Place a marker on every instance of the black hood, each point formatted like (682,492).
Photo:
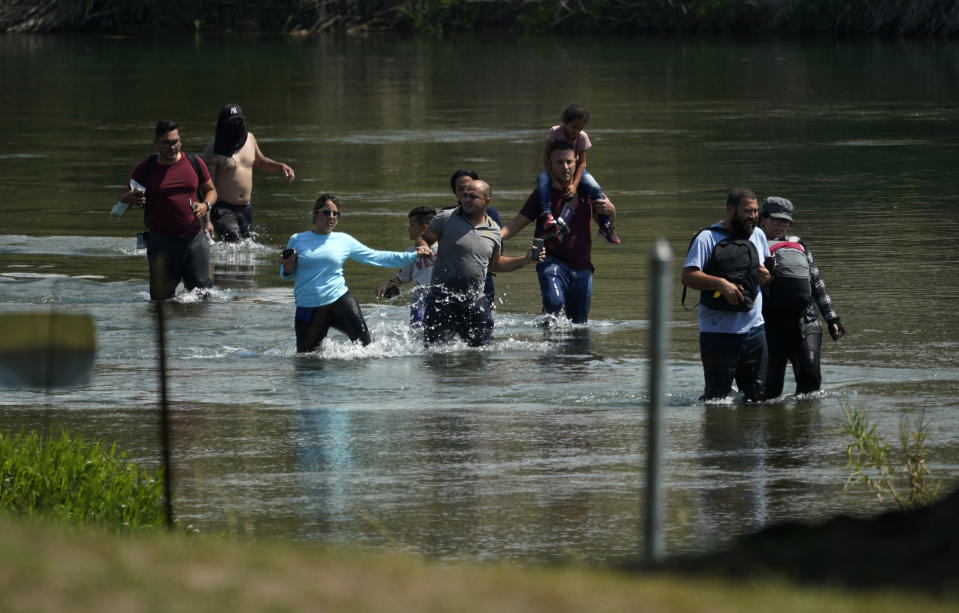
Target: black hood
(229,137)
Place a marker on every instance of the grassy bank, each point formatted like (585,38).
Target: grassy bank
(50,569)
(68,480)
(69,542)
(734,17)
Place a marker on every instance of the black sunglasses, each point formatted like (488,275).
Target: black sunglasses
(330,213)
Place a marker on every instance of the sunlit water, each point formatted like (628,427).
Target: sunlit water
(533,447)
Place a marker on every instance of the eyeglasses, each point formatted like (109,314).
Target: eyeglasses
(330,213)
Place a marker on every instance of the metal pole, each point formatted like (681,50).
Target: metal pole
(660,261)
(164,419)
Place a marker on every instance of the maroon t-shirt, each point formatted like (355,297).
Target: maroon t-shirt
(576,250)
(169,191)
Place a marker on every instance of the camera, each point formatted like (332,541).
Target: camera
(286,253)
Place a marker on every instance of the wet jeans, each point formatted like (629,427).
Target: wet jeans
(565,289)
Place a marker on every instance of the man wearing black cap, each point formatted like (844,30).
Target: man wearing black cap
(793,331)
(231,156)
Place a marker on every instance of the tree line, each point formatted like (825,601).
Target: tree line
(916,18)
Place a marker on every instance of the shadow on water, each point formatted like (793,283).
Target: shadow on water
(458,367)
(570,340)
(750,454)
(307,364)
(569,353)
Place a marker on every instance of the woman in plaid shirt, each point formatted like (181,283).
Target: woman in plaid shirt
(794,335)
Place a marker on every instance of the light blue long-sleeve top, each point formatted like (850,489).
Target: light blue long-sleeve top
(318,276)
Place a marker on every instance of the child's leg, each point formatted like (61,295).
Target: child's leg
(591,187)
(545,197)
(589,183)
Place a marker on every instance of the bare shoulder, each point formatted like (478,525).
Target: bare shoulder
(252,146)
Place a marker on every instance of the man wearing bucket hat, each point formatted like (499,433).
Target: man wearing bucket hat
(231,157)
(791,301)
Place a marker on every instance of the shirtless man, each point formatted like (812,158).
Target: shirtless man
(231,156)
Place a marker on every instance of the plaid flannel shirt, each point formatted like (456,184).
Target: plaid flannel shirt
(821,299)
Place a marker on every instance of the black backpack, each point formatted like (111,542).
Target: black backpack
(733,259)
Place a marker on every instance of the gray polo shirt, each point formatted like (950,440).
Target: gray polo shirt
(464,249)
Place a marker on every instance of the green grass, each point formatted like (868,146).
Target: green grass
(68,480)
(899,474)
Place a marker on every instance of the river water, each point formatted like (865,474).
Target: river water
(532,448)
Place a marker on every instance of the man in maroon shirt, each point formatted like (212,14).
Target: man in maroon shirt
(177,247)
(566,275)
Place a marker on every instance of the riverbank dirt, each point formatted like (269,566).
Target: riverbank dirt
(905,560)
(912,550)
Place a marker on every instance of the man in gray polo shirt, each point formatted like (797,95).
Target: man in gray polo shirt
(469,243)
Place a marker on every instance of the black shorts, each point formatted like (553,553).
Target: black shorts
(313,323)
(231,222)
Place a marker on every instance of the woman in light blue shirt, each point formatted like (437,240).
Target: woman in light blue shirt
(314,260)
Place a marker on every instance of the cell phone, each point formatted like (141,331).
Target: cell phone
(286,253)
(537,249)
(770,263)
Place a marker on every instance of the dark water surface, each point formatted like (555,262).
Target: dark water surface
(532,448)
